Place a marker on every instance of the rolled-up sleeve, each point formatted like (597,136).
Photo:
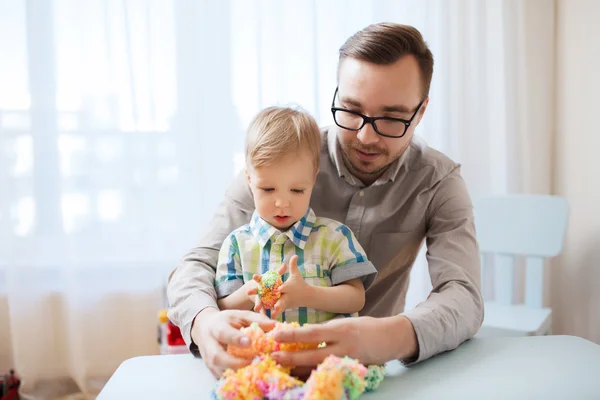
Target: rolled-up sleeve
(349,260)
(229,277)
(191,286)
(453,312)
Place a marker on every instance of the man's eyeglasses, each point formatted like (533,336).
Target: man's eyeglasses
(384,126)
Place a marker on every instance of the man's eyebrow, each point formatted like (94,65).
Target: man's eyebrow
(351,101)
(394,108)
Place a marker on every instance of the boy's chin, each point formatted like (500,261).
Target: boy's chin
(284,227)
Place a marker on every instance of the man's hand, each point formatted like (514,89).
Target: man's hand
(213,330)
(370,340)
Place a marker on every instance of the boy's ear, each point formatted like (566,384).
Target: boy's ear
(316,173)
(248,176)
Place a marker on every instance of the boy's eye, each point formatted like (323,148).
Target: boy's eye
(299,191)
(267,189)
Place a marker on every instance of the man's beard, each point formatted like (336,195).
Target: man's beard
(347,148)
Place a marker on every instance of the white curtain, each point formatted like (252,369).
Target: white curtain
(122,121)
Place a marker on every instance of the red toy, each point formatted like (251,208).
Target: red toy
(9,386)
(174,337)
(169,336)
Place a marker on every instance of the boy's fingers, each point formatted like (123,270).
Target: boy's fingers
(282,269)
(283,288)
(257,305)
(279,306)
(294,265)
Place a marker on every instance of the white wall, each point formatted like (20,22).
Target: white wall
(575,279)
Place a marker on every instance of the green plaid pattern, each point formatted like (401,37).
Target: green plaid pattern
(328,254)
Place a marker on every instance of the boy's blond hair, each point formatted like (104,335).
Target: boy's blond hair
(278,131)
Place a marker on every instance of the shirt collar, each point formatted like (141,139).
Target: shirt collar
(297,233)
(336,154)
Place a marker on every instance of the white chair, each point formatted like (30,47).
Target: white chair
(512,226)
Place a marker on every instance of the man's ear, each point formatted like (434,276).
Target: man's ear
(422,110)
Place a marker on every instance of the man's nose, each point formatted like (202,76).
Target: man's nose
(367,134)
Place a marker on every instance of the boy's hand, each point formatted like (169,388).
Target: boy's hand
(253,289)
(294,290)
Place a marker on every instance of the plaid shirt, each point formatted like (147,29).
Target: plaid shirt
(328,254)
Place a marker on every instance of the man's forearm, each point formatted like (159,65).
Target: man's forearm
(446,319)
(402,344)
(197,323)
(453,312)
(190,290)
(191,286)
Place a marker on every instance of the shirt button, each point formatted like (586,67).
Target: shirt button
(276,247)
(361,193)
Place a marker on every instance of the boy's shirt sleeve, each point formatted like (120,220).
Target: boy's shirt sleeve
(229,276)
(349,260)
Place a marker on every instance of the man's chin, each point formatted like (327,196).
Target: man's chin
(362,168)
(366,167)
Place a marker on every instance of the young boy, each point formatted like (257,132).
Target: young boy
(328,269)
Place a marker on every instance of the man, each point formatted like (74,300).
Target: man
(392,191)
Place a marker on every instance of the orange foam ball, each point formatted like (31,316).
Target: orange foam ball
(263,343)
(260,343)
(324,385)
(254,381)
(292,346)
(268,291)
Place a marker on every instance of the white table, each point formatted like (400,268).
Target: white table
(547,367)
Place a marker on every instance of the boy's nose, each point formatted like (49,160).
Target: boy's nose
(281,202)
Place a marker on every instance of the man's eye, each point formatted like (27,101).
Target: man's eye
(353,109)
(267,189)
(298,191)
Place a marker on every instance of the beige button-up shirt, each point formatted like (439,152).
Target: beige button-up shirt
(421,197)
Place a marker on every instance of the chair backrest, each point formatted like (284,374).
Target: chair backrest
(508,226)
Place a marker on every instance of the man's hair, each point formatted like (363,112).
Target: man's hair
(277,131)
(385,43)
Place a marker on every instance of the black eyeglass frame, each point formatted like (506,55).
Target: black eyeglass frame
(372,120)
